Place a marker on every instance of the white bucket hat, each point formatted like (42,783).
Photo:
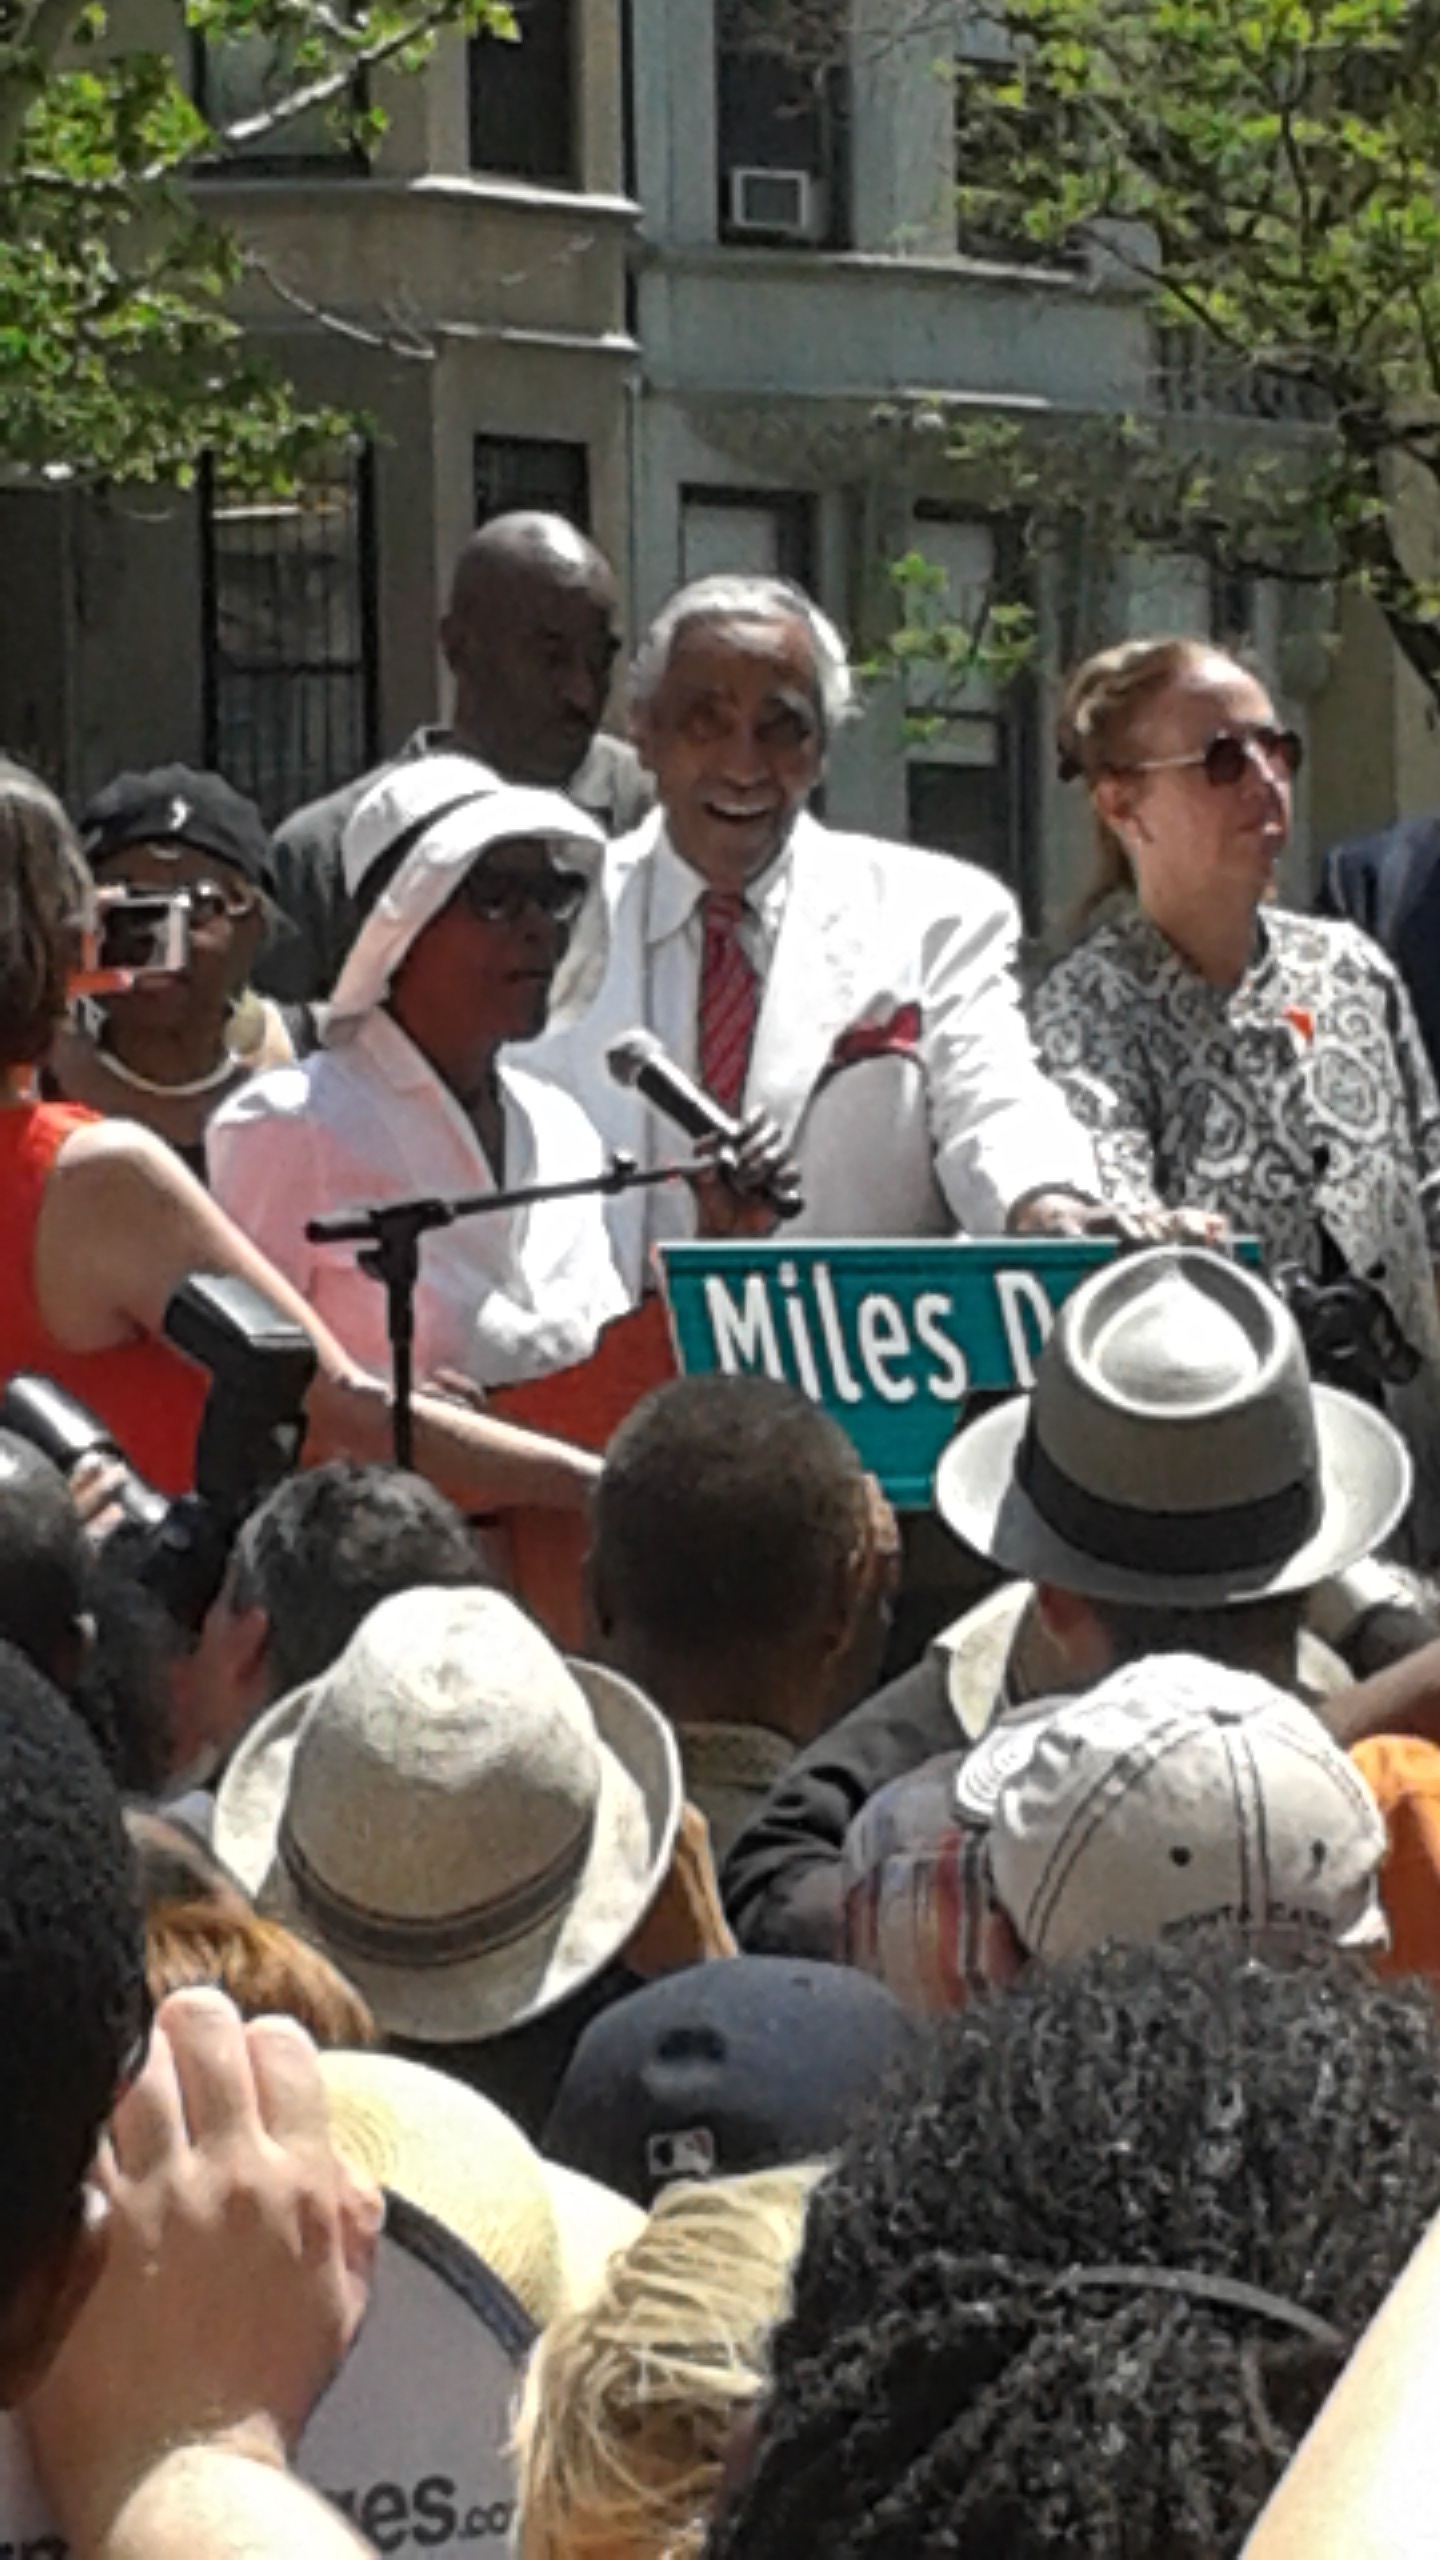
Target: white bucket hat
(1174,1452)
(468,1825)
(447,811)
(1176,1790)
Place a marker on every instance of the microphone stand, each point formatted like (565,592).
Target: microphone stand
(389,1235)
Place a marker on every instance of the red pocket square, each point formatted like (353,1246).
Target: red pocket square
(897,1035)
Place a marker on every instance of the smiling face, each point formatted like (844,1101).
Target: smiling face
(470,981)
(1188,838)
(734,736)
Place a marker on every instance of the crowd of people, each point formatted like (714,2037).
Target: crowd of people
(889,2087)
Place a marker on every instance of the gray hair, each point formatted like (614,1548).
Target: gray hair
(738,598)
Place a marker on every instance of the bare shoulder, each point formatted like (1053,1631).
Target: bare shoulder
(118,1154)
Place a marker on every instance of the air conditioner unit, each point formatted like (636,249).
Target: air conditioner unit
(780,204)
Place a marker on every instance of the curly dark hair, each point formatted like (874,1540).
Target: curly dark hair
(956,2376)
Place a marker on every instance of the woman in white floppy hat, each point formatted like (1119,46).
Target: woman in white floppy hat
(468,1825)
(483,925)
(479,926)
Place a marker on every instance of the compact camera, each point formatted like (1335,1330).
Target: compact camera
(140,933)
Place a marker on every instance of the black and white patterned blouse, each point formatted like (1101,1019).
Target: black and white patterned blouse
(1303,1092)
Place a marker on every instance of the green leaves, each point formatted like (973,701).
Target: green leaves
(1274,166)
(118,355)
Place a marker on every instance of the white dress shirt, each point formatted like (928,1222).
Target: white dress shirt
(674,947)
(675,941)
(502,1296)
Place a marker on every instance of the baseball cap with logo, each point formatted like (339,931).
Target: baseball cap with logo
(173,805)
(752,2062)
(1176,1790)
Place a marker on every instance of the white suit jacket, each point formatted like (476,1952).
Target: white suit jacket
(942,1135)
(503,1297)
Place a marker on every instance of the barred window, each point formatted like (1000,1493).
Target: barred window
(290,659)
(532,471)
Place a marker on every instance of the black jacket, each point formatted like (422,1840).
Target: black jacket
(1389,885)
(781,1881)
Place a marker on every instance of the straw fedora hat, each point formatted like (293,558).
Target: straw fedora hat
(548,2234)
(1174,1451)
(470,1826)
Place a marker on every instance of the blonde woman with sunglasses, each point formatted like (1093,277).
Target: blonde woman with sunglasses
(1227,1054)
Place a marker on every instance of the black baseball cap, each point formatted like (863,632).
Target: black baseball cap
(749,2062)
(172,804)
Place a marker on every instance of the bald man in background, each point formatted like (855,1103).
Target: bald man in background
(530,640)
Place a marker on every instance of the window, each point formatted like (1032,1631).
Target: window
(968,772)
(522,97)
(240,76)
(765,533)
(290,669)
(781,141)
(964,809)
(532,471)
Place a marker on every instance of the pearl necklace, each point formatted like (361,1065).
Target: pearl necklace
(210,1082)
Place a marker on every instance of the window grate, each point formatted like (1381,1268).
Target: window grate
(290,657)
(547,472)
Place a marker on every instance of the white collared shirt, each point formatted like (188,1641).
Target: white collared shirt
(674,933)
(675,940)
(502,1296)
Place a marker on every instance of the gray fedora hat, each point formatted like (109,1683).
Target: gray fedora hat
(1174,1451)
(466,1823)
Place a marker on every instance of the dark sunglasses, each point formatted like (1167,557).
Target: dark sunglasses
(497,896)
(1228,756)
(209,903)
(207,900)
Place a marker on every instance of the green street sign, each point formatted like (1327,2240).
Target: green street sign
(892,1339)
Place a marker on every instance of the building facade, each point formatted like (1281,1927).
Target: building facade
(714,303)
(813,322)
(465,293)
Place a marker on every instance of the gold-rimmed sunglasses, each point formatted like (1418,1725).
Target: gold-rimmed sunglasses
(1226,758)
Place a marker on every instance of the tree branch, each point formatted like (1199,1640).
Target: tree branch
(412,345)
(332,84)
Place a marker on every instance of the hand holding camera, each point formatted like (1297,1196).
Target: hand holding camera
(136,933)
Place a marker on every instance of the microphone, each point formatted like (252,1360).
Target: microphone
(641,1061)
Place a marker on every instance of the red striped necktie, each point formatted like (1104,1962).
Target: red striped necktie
(729,999)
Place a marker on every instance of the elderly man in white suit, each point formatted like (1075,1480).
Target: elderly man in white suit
(860,992)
